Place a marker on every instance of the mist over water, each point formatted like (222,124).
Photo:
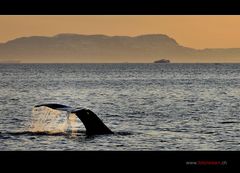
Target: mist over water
(156,106)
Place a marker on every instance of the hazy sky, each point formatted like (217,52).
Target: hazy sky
(191,31)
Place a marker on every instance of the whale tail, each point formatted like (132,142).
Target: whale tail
(92,123)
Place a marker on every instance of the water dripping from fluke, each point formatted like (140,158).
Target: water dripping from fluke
(60,120)
(92,123)
(48,121)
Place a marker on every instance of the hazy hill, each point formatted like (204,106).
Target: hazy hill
(102,48)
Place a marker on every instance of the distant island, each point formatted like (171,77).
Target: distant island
(162,61)
(78,48)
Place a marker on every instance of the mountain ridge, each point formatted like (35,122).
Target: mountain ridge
(71,47)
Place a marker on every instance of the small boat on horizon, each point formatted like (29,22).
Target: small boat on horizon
(162,61)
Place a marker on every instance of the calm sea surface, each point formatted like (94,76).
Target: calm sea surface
(149,106)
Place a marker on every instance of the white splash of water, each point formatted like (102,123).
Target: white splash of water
(53,121)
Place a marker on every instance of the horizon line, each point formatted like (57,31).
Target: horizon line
(119,63)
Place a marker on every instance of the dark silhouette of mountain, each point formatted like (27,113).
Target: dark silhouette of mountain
(101,48)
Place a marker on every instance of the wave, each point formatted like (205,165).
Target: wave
(39,133)
(229,122)
(53,133)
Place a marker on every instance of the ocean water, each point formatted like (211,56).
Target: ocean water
(148,106)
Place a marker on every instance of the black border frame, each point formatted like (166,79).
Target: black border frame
(160,161)
(117,7)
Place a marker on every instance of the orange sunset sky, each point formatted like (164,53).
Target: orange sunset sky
(192,31)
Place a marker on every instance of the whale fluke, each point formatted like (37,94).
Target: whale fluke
(92,123)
